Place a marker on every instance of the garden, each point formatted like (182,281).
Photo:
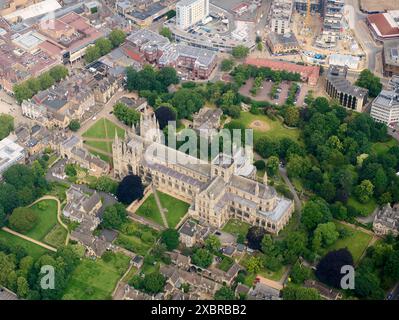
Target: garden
(96,279)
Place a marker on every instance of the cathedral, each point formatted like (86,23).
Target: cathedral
(218,190)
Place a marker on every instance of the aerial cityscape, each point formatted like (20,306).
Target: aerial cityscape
(199,150)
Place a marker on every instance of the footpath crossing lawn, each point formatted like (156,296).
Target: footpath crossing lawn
(175,209)
(96,279)
(104,129)
(32,249)
(100,137)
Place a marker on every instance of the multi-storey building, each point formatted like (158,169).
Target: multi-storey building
(280,17)
(385,107)
(339,88)
(190,12)
(217,191)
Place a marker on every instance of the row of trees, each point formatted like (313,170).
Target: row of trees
(30,87)
(6,125)
(125,114)
(105,45)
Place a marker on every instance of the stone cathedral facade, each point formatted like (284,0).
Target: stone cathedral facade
(218,190)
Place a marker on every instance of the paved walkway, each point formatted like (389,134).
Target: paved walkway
(58,213)
(298,203)
(160,208)
(273,284)
(145,221)
(39,243)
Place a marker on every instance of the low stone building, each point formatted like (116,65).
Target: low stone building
(207,122)
(282,43)
(387,220)
(72,149)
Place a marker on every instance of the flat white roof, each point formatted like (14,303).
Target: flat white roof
(10,153)
(34,10)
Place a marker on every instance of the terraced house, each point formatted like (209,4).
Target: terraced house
(219,190)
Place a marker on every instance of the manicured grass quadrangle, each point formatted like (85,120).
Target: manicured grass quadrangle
(104,129)
(176,209)
(236,227)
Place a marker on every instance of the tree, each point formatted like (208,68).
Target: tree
(325,235)
(23,219)
(291,116)
(364,191)
(254,237)
(164,114)
(6,125)
(226,65)
(202,258)
(224,293)
(170,237)
(367,285)
(74,125)
(70,170)
(369,81)
(167,76)
(329,268)
(92,54)
(130,189)
(154,282)
(58,73)
(2,217)
(46,81)
(314,212)
(272,165)
(104,46)
(300,273)
(22,287)
(292,292)
(254,264)
(125,114)
(260,165)
(165,31)
(240,52)
(117,37)
(297,166)
(212,243)
(114,216)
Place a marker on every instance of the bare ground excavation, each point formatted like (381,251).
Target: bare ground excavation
(259,125)
(374,5)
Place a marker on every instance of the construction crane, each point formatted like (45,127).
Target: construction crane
(308,19)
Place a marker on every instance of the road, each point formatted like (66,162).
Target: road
(362,34)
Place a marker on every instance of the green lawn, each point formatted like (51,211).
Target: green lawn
(356,243)
(225,264)
(32,249)
(364,208)
(56,237)
(104,128)
(47,221)
(275,276)
(149,210)
(101,145)
(96,279)
(136,237)
(236,227)
(275,130)
(382,147)
(176,209)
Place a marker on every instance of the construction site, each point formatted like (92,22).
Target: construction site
(322,30)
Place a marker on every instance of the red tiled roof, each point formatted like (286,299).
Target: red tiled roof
(380,23)
(133,54)
(310,73)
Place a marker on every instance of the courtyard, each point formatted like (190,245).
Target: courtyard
(99,137)
(174,209)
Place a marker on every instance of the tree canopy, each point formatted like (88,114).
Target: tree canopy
(130,189)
